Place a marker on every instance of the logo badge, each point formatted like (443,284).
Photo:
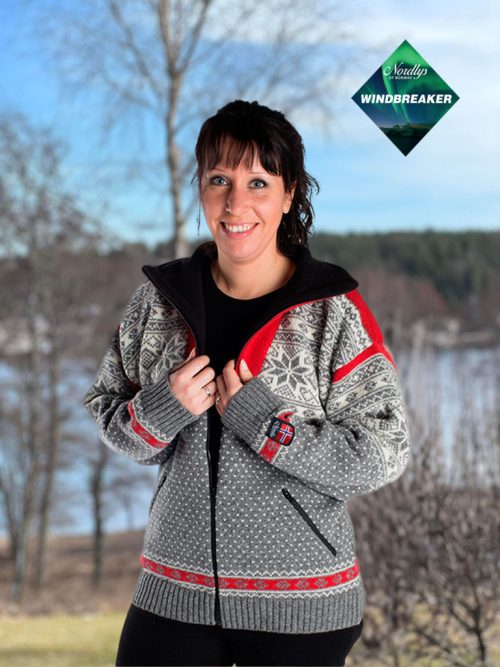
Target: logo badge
(281,431)
(405,97)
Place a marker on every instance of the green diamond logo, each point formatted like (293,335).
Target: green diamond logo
(405,97)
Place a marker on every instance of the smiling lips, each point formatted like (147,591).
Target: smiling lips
(238,230)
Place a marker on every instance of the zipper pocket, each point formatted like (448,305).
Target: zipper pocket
(308,520)
(158,488)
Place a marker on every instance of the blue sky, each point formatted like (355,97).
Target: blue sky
(448,182)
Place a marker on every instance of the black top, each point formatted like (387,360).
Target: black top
(228,324)
(181,281)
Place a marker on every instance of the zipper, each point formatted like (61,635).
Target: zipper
(217,611)
(308,520)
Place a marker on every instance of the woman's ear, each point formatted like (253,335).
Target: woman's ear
(289,198)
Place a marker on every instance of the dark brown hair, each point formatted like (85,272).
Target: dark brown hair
(252,127)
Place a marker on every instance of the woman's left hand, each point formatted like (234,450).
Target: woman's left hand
(229,382)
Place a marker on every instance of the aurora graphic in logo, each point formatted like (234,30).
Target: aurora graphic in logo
(405,97)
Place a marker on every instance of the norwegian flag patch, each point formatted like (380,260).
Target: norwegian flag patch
(280,431)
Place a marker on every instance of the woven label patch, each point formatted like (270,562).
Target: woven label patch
(281,431)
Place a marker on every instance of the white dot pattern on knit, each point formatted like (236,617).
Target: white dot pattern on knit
(178,532)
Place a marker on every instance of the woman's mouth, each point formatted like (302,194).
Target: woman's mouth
(238,231)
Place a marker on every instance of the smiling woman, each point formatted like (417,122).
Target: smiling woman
(258,379)
(236,203)
(243,214)
(252,189)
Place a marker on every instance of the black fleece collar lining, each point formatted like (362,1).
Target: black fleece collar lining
(180,282)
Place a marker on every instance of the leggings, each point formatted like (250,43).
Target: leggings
(149,639)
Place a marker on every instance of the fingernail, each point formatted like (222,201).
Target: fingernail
(191,354)
(244,364)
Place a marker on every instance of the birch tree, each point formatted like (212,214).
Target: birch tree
(42,229)
(153,70)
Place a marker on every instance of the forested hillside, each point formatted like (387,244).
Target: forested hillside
(416,275)
(460,265)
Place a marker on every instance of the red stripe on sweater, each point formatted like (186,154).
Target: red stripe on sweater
(371,326)
(255,349)
(142,432)
(330,580)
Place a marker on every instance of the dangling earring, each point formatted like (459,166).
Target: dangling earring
(198,217)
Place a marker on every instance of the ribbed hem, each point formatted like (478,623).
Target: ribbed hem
(181,603)
(159,410)
(286,614)
(250,409)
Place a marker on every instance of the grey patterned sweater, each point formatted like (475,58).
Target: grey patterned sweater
(272,547)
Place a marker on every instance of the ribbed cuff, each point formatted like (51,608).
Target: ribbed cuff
(159,410)
(250,410)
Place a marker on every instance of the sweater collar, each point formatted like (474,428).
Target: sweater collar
(180,282)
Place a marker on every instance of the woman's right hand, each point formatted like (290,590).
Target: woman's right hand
(188,380)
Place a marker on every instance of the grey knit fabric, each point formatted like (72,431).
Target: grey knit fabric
(322,420)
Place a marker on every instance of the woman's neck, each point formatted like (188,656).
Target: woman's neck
(248,280)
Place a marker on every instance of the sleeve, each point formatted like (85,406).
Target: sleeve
(362,443)
(142,423)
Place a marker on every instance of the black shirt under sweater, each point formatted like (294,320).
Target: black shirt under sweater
(228,324)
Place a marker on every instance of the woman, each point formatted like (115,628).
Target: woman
(257,379)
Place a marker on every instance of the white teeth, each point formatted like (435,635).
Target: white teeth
(237,228)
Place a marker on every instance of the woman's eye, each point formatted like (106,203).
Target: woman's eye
(214,178)
(220,180)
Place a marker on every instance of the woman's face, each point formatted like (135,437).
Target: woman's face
(243,208)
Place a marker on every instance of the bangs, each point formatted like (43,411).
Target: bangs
(229,151)
(244,132)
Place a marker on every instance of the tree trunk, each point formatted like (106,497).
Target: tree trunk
(51,464)
(30,460)
(20,547)
(96,489)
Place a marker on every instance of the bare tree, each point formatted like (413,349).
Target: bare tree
(429,543)
(458,565)
(96,484)
(169,65)
(41,226)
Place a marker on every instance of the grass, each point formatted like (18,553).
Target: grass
(58,640)
(88,640)
(71,624)
(91,640)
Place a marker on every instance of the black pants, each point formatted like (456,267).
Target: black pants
(149,639)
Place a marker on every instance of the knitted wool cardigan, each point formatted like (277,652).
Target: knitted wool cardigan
(272,547)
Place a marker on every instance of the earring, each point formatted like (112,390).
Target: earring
(198,217)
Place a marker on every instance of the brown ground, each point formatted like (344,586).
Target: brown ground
(69,583)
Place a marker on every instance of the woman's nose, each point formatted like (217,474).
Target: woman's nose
(237,200)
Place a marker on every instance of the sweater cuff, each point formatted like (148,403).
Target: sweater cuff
(249,411)
(159,410)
